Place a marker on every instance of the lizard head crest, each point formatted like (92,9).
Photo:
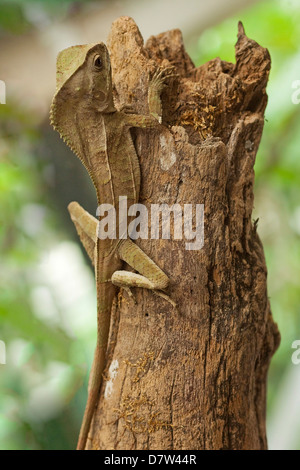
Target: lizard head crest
(85,72)
(83,82)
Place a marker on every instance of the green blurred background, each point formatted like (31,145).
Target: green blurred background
(47,293)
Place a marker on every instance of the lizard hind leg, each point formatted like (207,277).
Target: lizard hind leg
(150,275)
(86,227)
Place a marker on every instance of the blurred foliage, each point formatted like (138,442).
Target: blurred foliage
(39,406)
(18,16)
(30,340)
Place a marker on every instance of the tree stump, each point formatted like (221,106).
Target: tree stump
(193,377)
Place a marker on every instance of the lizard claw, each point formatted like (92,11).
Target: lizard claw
(160,76)
(128,290)
(164,73)
(165,296)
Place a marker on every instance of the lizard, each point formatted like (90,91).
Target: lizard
(84,114)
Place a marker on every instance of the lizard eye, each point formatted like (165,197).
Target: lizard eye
(98,62)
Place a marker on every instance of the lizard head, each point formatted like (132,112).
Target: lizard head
(84,76)
(83,82)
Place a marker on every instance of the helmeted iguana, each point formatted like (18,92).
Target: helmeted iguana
(84,114)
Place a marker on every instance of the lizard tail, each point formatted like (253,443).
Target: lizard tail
(93,395)
(105,295)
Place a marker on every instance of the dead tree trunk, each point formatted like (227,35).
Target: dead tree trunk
(193,378)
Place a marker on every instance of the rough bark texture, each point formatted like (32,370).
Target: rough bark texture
(193,378)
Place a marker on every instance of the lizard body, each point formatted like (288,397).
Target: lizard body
(84,114)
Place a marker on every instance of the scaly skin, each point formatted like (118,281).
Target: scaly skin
(84,114)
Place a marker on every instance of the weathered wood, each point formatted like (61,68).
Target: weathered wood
(193,378)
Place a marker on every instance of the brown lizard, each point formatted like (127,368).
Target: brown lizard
(84,114)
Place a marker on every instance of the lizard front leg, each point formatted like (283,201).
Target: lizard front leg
(150,277)
(156,86)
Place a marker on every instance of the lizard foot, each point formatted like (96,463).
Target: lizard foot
(166,297)
(130,294)
(160,76)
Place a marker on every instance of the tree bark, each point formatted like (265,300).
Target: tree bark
(193,377)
